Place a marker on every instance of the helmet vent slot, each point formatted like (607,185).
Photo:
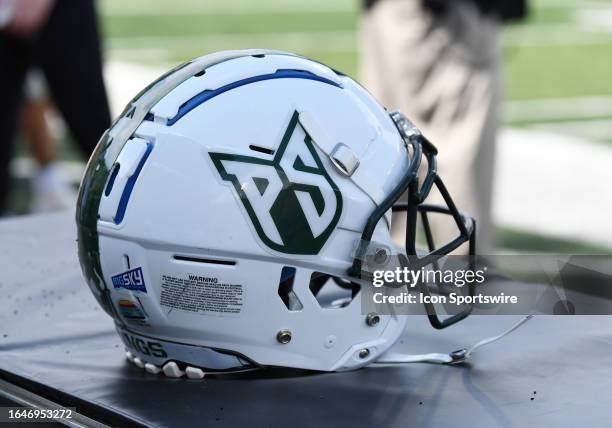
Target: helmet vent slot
(261,149)
(191,259)
(111,179)
(331,291)
(285,290)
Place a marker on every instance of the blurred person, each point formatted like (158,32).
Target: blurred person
(439,62)
(61,38)
(51,190)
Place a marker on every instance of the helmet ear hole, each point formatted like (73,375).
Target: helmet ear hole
(285,290)
(332,292)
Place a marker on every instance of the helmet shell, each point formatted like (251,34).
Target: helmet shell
(214,205)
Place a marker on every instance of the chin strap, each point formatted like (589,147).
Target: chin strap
(456,357)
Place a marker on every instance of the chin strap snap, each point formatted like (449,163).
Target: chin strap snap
(455,357)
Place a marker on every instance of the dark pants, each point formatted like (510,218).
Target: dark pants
(67,50)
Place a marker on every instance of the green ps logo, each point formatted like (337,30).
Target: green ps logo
(291,200)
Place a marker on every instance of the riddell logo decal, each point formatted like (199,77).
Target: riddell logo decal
(132,280)
(291,200)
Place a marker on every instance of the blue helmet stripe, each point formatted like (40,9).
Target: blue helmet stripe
(204,96)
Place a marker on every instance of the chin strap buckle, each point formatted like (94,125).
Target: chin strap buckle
(459,356)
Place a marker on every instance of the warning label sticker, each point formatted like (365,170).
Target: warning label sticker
(201,294)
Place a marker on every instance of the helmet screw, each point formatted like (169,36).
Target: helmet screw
(283,336)
(364,353)
(380,256)
(372,319)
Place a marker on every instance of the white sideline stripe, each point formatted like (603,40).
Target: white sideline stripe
(554,185)
(322,41)
(555,39)
(156,57)
(557,108)
(140,41)
(204,9)
(600,18)
(591,129)
(573,32)
(125,80)
(332,41)
(25,168)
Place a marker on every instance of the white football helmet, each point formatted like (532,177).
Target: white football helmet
(230,195)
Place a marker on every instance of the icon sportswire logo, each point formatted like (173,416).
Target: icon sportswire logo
(291,200)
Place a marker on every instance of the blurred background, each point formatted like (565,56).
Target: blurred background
(553,179)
